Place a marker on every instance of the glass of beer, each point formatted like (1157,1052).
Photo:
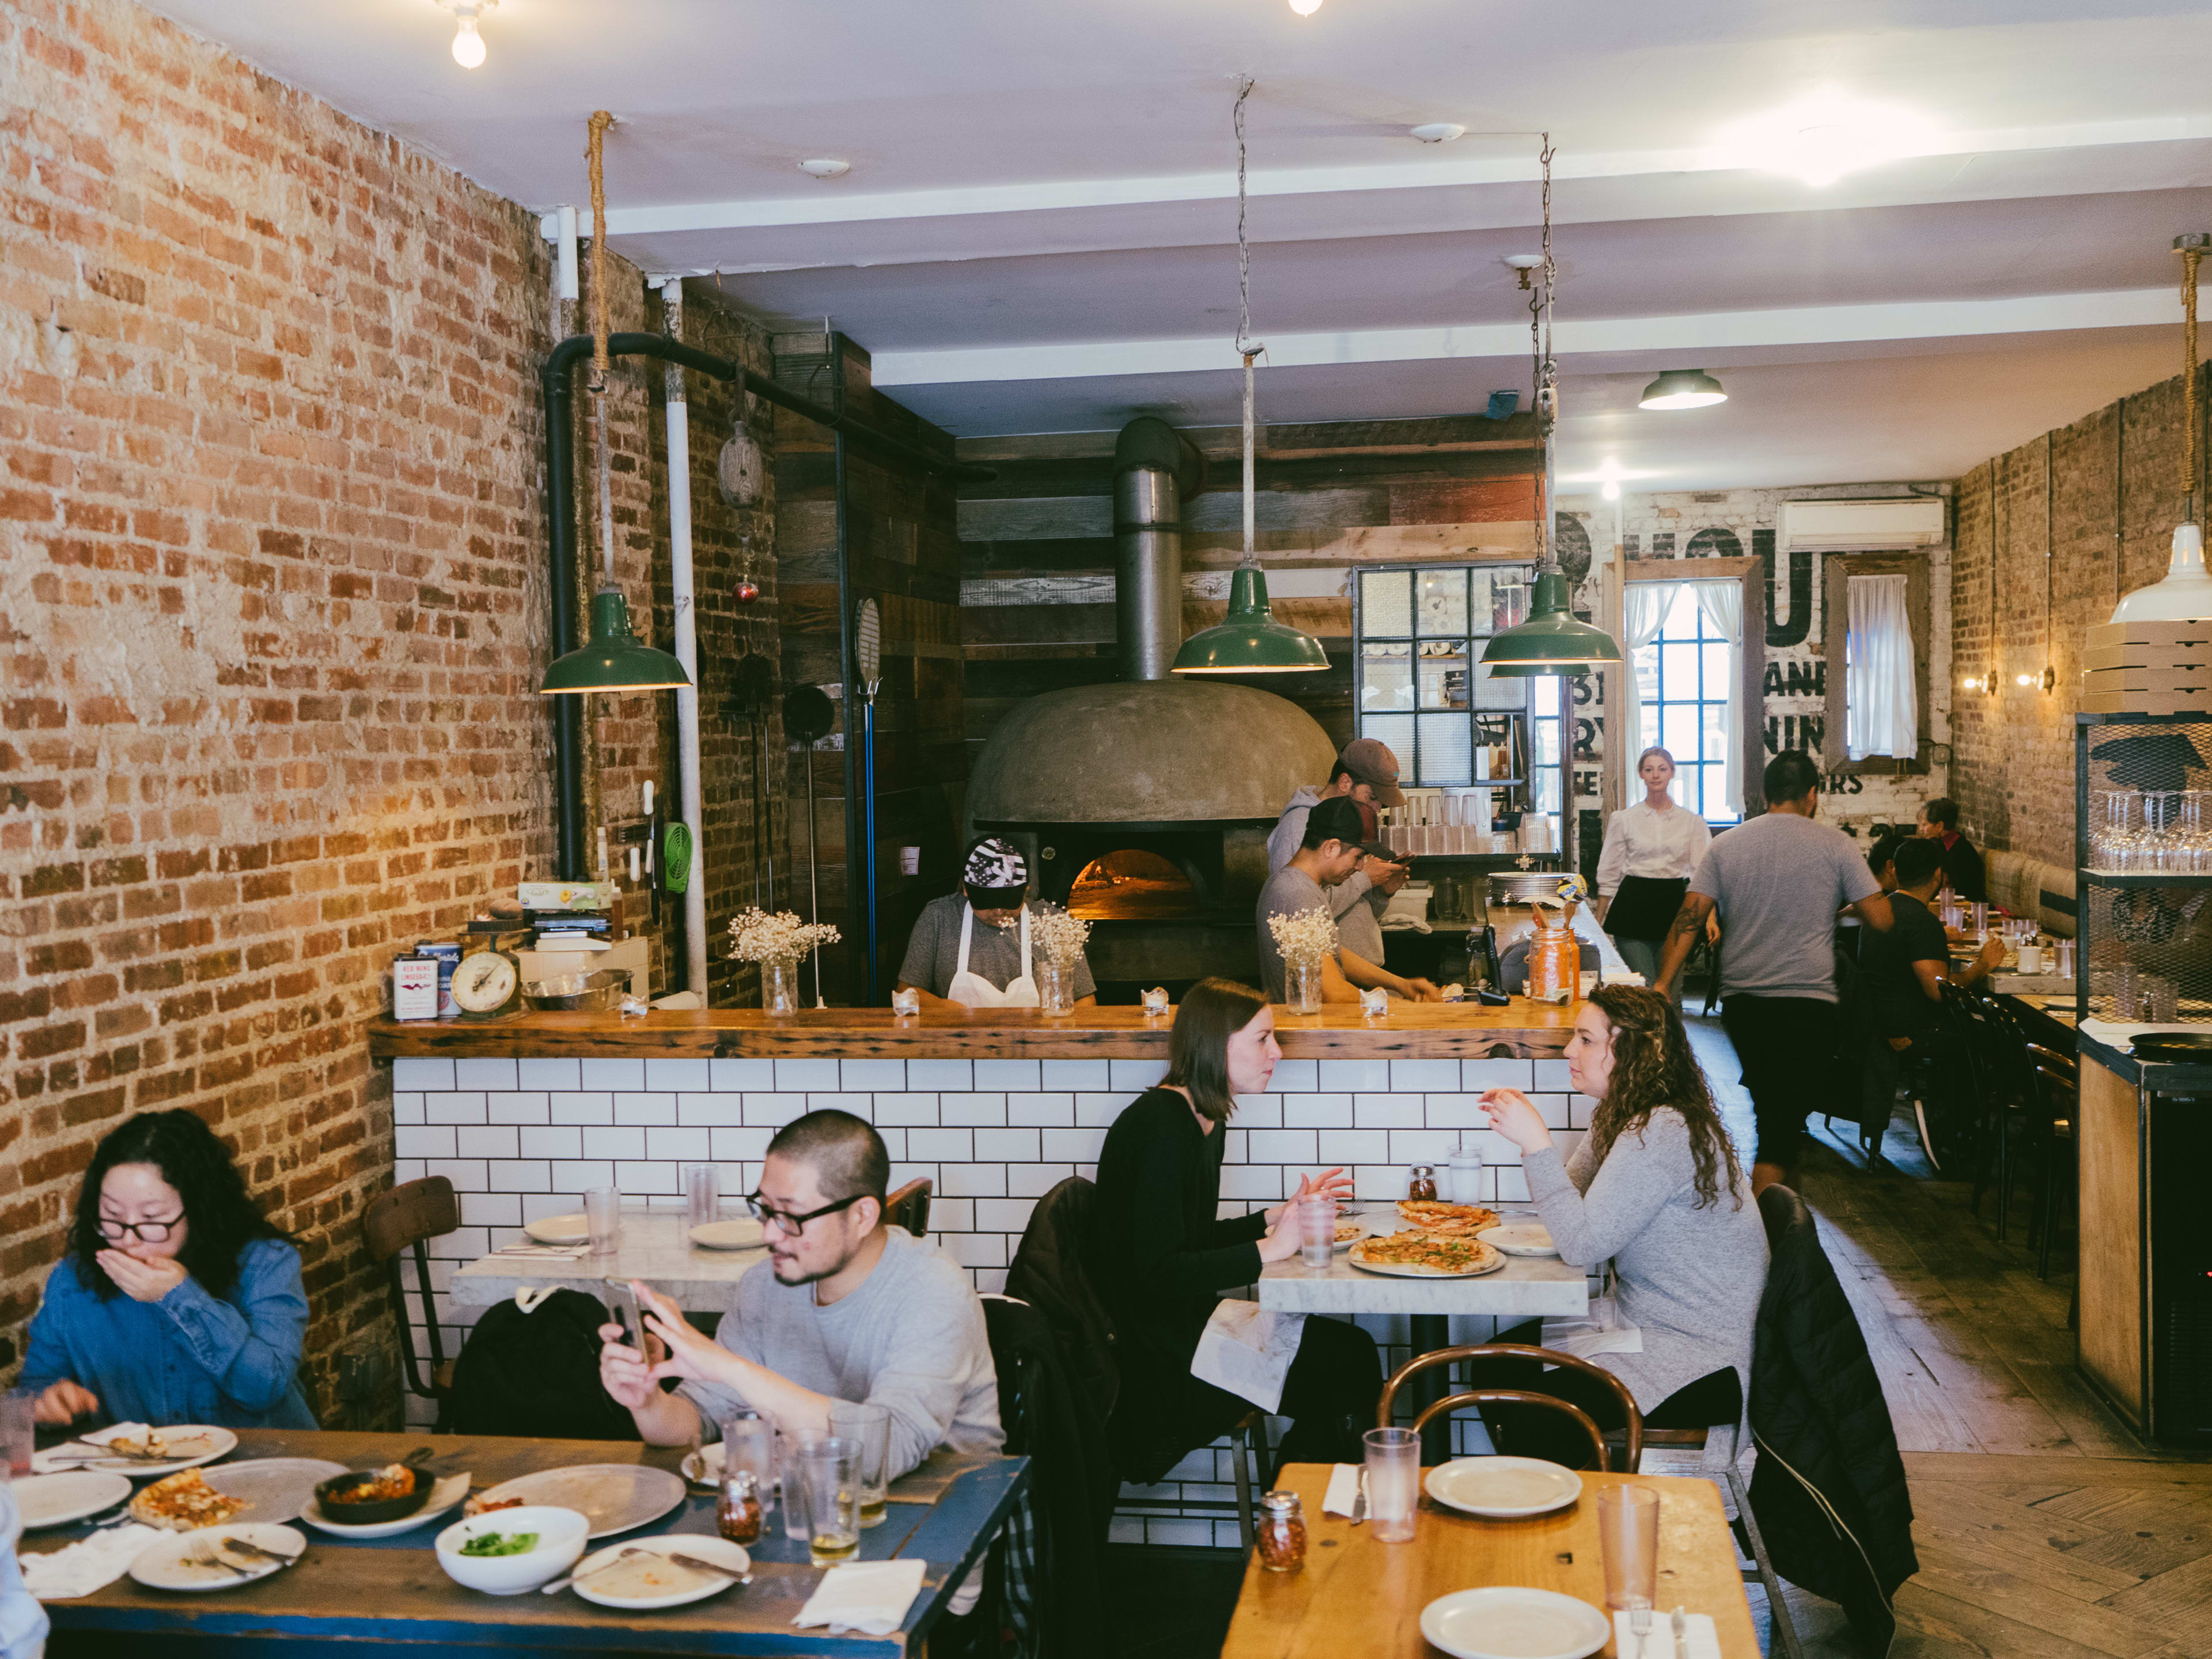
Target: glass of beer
(829,1473)
(870,1426)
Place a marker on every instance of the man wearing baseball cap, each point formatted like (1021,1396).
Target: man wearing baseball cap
(952,959)
(1367,774)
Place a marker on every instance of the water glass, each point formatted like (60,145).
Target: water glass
(749,1443)
(787,1455)
(2161,999)
(1628,1536)
(830,1475)
(702,1193)
(1316,1230)
(870,1427)
(18,1433)
(1394,1483)
(603,1218)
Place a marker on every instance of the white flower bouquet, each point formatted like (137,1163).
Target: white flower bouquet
(777,936)
(1304,937)
(1058,936)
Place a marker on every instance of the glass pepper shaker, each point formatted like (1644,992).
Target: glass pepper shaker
(1282,1532)
(738,1517)
(1421,1183)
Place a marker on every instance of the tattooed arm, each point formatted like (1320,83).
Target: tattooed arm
(1689,923)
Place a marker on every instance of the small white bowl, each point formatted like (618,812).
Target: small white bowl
(561,1538)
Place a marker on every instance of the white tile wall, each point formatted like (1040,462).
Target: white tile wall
(524,1138)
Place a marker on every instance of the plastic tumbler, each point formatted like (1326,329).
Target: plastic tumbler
(1628,1536)
(749,1443)
(18,1433)
(1394,1483)
(703,1194)
(1317,1231)
(603,1218)
(870,1427)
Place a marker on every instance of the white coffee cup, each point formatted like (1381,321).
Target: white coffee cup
(2031,957)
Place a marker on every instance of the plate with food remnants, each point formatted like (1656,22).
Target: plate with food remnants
(267,1489)
(613,1497)
(135,1449)
(1349,1229)
(1521,1239)
(217,1558)
(446,1494)
(660,1573)
(1446,1220)
(1416,1255)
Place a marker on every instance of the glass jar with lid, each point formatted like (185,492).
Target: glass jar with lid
(1282,1533)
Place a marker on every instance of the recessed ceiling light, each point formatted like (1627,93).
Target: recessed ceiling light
(1682,388)
(823,167)
(1306,8)
(1825,135)
(1439,132)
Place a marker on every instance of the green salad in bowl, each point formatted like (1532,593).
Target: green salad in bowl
(501,1543)
(512,1550)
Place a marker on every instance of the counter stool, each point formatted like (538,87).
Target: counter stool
(1248,1440)
(402,1219)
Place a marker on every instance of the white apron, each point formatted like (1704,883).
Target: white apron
(973,991)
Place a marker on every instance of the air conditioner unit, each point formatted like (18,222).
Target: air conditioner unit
(1848,526)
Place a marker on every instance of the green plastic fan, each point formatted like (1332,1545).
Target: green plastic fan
(675,857)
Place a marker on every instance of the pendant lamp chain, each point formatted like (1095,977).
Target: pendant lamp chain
(1543,371)
(594,154)
(1247,347)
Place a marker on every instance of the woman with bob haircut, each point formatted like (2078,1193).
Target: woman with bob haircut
(1651,851)
(177,1302)
(1653,1186)
(1160,1259)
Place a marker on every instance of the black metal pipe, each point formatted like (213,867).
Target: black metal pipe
(556,383)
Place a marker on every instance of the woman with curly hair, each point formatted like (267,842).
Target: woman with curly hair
(177,1302)
(1654,1188)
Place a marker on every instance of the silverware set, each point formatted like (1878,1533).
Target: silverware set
(690,1561)
(1639,1621)
(245,1547)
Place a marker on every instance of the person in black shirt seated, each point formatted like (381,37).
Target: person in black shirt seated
(1962,862)
(1160,1258)
(1881,859)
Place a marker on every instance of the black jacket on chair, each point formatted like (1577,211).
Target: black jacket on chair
(1049,1274)
(1829,1487)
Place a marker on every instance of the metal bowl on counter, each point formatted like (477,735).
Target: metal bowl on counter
(1524,886)
(577,993)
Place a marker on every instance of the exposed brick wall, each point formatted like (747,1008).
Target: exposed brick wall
(2059,509)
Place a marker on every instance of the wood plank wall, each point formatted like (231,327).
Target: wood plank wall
(902,550)
(1036,588)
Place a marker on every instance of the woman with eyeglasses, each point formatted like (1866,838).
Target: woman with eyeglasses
(177,1302)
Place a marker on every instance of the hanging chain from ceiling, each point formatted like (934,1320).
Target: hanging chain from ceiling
(1543,371)
(2189,257)
(594,153)
(1247,347)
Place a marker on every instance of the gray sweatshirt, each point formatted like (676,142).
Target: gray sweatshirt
(911,1339)
(1362,934)
(1690,1280)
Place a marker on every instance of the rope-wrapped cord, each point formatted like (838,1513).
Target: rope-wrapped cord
(2189,258)
(594,153)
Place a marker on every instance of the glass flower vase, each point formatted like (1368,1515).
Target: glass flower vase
(778,979)
(1055,987)
(1302,986)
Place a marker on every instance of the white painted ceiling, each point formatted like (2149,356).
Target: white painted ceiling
(1038,233)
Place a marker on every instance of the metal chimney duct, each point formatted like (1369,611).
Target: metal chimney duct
(1155,469)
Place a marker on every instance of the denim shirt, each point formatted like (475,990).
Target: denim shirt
(191,1357)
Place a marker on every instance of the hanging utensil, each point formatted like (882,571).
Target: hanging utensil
(868,660)
(808,714)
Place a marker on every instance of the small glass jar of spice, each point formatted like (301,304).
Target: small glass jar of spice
(739,1514)
(1421,1183)
(1282,1538)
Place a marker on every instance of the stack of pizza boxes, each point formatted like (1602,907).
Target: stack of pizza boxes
(2148,668)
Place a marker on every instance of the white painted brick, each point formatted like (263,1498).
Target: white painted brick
(1235,1148)
(582,1107)
(1423,1146)
(1122,1529)
(941,1146)
(1421,1075)
(530,1107)
(952,1215)
(642,1108)
(1566,1140)
(1352,1147)
(454,1109)
(1317,1111)
(894,1142)
(1579,1108)
(906,1110)
(940,1074)
(432,1140)
(709,1111)
(467,1175)
(970,1111)
(1259,1111)
(419,1072)
(493,1140)
(1253,1183)
(989,1281)
(685,1145)
(1003,1215)
(1077,1074)
(1552,1074)
(407,1109)
(1071,1146)
(1378,1182)
(1281,1147)
(582,1177)
(1557,1110)
(1513,1184)
(1455,1112)
(975,1249)
(1135,1074)
(672,1075)
(748,1145)
(859,1105)
(642,1179)
(773,1111)
(626,1142)
(1099,1111)
(613,1074)
(1035,1180)
(728,1076)
(1041,1111)
(872,1076)
(521,1175)
(1387,1111)
(1476,1075)
(547,1074)
(484,1074)
(407,1168)
(1010,1146)
(1178,1533)
(1008,1074)
(807,1075)
(1294,1077)
(539,1142)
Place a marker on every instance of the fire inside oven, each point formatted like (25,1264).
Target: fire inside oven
(1133,885)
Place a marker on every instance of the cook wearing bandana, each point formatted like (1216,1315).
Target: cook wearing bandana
(971,948)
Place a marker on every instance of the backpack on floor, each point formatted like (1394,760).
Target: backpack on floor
(537,1374)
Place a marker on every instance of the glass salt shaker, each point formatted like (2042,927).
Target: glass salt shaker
(1421,1183)
(1282,1538)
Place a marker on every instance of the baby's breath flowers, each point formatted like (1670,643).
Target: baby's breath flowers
(1304,937)
(781,936)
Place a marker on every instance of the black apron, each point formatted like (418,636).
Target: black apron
(1644,907)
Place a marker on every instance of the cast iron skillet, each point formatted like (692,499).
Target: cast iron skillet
(376,1511)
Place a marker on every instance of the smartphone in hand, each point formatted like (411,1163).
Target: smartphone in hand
(622,1308)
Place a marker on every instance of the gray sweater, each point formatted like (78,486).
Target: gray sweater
(1689,1278)
(911,1339)
(1358,927)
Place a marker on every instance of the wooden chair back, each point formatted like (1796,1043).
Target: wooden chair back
(1633,1438)
(398,1222)
(1582,1420)
(909,1207)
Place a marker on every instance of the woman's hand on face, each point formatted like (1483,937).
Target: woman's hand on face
(1514,1115)
(64,1403)
(140,1280)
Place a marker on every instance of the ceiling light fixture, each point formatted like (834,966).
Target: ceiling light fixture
(1825,135)
(1248,641)
(1439,132)
(1682,388)
(1306,8)
(1523,265)
(2185,592)
(825,166)
(468,45)
(1608,476)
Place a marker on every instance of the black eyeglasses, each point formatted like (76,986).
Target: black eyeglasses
(788,1222)
(150,1232)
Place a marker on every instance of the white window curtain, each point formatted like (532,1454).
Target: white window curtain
(1645,605)
(1882,711)
(1722,604)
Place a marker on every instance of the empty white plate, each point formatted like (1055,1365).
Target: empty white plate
(1501,1621)
(1503,1488)
(275,1489)
(191,1561)
(743,1233)
(1520,1238)
(54,1500)
(449,1491)
(627,1584)
(613,1497)
(559,1230)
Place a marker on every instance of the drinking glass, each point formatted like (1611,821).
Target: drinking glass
(702,1193)
(788,1452)
(830,1475)
(2161,999)
(749,1443)
(1394,1483)
(1628,1536)
(870,1427)
(1317,1231)
(18,1433)
(603,1218)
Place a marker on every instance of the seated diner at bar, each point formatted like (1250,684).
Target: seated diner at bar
(831,829)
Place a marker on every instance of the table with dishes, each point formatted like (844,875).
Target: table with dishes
(540,1545)
(696,1261)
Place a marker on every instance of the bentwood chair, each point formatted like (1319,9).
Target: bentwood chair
(909,1207)
(1476,1352)
(401,1220)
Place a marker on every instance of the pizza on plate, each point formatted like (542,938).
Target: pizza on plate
(1447,1221)
(1348,1230)
(1426,1253)
(184,1502)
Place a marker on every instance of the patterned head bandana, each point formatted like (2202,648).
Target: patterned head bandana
(995,875)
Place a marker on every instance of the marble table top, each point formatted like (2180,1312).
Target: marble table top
(655,1247)
(1527,1286)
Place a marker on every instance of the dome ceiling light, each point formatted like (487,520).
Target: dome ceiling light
(1682,388)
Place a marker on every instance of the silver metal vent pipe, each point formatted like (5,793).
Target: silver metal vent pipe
(1156,469)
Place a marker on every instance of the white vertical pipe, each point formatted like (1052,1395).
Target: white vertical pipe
(690,793)
(565,239)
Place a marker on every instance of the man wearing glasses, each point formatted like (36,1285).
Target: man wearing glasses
(845,1308)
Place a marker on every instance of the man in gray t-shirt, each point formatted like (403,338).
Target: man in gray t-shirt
(1778,882)
(1328,852)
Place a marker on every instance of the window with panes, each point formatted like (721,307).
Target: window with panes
(1682,680)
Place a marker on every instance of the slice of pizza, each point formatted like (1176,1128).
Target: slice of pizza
(183,1502)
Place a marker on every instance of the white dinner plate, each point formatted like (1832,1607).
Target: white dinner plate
(623,1585)
(448,1492)
(613,1497)
(194,1444)
(1503,1488)
(1501,1621)
(1409,1270)
(703,1468)
(559,1230)
(1520,1238)
(274,1489)
(189,1560)
(742,1234)
(54,1500)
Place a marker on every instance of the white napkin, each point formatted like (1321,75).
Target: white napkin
(868,1597)
(1343,1488)
(1248,1350)
(89,1564)
(1700,1640)
(75,1453)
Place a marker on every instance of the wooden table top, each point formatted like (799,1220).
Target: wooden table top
(393,1590)
(1357,1596)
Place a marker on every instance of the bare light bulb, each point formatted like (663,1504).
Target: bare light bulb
(1306,8)
(468,45)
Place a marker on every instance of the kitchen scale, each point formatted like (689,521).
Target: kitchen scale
(488,985)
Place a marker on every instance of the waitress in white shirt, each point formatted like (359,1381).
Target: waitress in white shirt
(971,948)
(1651,850)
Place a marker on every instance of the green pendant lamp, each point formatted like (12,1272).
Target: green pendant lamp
(614,658)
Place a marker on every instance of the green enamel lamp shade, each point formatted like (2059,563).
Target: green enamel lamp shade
(1551,641)
(1250,641)
(614,658)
